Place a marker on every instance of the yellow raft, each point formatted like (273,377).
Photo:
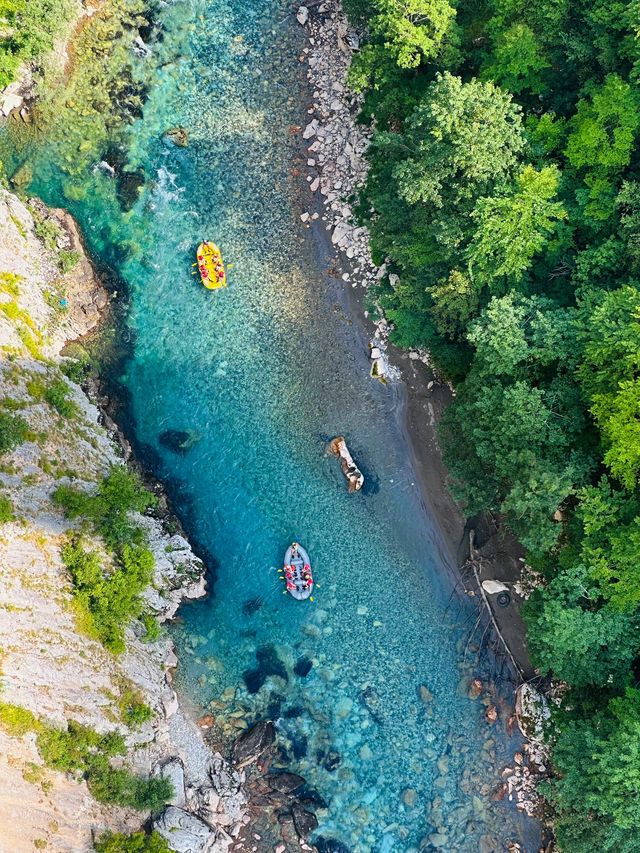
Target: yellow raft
(212,272)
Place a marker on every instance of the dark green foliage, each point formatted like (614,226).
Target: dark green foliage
(598,792)
(123,788)
(118,494)
(14,430)
(504,195)
(138,842)
(575,636)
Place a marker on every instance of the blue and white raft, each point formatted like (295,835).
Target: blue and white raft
(297,572)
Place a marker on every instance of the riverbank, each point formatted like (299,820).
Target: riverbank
(51,667)
(335,146)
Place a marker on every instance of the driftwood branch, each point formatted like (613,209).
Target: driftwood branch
(472,564)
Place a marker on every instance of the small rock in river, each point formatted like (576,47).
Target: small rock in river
(425,694)
(475,689)
(491,714)
(302,15)
(409,796)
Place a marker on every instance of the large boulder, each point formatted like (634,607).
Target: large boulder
(285,782)
(184,832)
(305,822)
(250,745)
(173,771)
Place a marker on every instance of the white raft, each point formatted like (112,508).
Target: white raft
(297,572)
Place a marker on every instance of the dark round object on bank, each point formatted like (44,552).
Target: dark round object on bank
(503,599)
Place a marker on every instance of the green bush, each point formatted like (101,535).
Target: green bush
(110,600)
(72,749)
(133,710)
(151,627)
(79,749)
(14,430)
(29,28)
(17,721)
(75,370)
(119,493)
(6,509)
(123,788)
(55,393)
(67,260)
(138,842)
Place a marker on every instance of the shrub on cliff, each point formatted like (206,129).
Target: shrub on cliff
(28,28)
(17,721)
(121,787)
(79,749)
(56,394)
(14,430)
(119,493)
(109,599)
(138,842)
(6,509)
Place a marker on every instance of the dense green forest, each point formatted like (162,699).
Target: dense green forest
(504,191)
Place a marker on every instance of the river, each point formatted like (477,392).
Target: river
(259,376)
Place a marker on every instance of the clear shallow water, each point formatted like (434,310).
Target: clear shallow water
(262,374)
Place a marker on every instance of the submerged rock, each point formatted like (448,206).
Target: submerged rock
(252,743)
(178,135)
(330,845)
(268,664)
(128,187)
(303,667)
(178,440)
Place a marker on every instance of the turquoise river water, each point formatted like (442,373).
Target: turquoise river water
(260,375)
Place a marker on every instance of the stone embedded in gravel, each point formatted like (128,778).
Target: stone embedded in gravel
(340,232)
(311,129)
(302,15)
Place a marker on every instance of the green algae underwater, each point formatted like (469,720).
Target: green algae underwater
(257,377)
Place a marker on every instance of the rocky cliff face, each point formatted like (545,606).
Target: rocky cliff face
(48,296)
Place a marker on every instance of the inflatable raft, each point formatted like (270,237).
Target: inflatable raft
(212,272)
(297,572)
